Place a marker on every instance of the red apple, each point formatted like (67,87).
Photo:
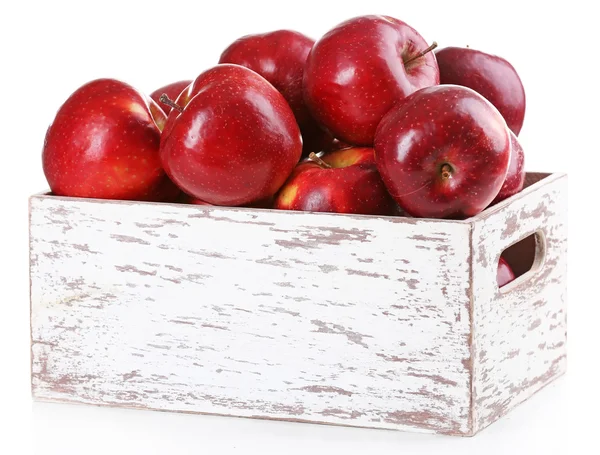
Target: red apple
(505,274)
(104,143)
(280,57)
(343,181)
(262,204)
(490,76)
(232,140)
(515,178)
(443,152)
(172,91)
(360,69)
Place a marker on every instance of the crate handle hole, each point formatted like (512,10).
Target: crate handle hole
(525,258)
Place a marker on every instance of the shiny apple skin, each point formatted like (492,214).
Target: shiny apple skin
(446,124)
(505,274)
(280,57)
(351,185)
(491,76)
(356,73)
(171,90)
(235,142)
(515,177)
(104,144)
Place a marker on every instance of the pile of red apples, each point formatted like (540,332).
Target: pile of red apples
(371,119)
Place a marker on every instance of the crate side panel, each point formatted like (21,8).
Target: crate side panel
(519,331)
(349,320)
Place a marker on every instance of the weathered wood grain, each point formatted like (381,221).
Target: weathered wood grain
(318,317)
(351,320)
(519,332)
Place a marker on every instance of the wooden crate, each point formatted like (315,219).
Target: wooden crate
(382,322)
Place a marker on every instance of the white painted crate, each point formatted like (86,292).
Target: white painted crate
(382,322)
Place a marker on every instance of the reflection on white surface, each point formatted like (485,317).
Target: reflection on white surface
(77,429)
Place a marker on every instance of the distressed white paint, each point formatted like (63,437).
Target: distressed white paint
(519,331)
(350,320)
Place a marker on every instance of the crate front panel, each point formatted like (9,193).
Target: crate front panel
(315,317)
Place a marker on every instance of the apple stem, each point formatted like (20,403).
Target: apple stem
(169,102)
(446,171)
(313,157)
(422,53)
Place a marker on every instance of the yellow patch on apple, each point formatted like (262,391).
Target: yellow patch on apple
(288,194)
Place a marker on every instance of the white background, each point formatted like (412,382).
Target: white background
(48,49)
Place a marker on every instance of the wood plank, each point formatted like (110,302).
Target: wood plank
(519,330)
